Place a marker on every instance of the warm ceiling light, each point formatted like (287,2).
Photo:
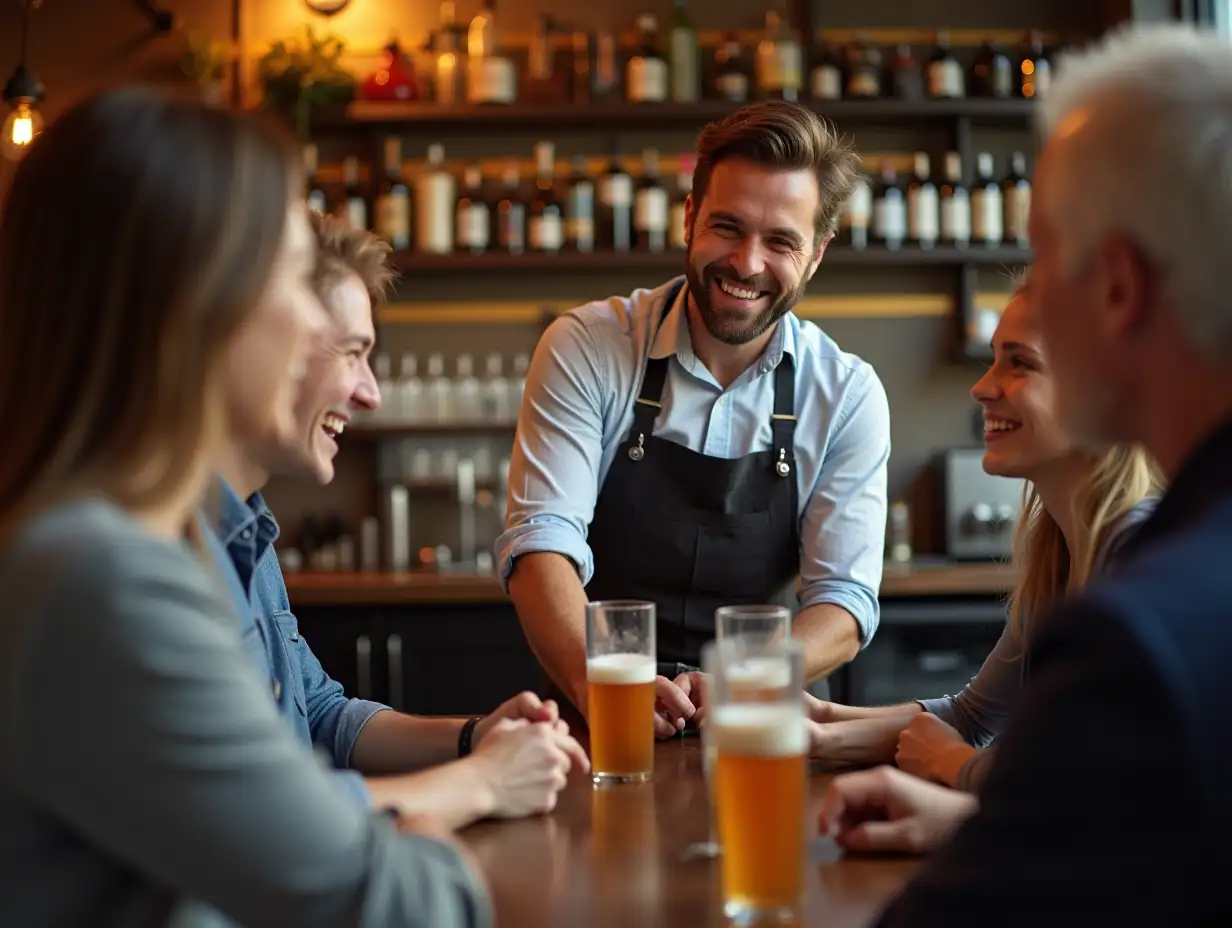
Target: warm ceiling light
(23,92)
(327,7)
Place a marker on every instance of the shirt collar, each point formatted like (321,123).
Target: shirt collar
(673,338)
(235,515)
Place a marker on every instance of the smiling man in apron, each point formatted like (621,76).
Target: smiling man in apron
(698,445)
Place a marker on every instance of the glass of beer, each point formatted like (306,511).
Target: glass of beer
(760,742)
(620,678)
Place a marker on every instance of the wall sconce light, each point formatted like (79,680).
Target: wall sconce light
(327,7)
(23,92)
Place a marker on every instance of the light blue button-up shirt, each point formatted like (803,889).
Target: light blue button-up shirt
(578,409)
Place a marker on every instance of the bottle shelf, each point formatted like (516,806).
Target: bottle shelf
(370,115)
(376,428)
(615,261)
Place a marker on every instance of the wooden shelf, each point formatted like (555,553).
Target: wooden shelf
(378,429)
(615,261)
(422,117)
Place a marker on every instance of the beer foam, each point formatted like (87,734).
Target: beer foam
(622,669)
(766,672)
(759,729)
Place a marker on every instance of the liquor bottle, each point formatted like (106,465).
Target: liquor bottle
(606,85)
(467,396)
(517,386)
(863,69)
(955,204)
(354,205)
(923,208)
(314,193)
(945,74)
(646,77)
(580,208)
(436,199)
(382,370)
(438,392)
(407,398)
(889,210)
(731,71)
(905,76)
(650,206)
(495,390)
(1016,195)
(780,63)
(686,56)
(474,216)
(580,84)
(615,213)
(449,80)
(511,211)
(490,75)
(677,233)
(1034,68)
(986,211)
(547,225)
(858,214)
(826,78)
(393,202)
(543,83)
(992,75)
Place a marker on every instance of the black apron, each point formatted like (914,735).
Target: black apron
(690,532)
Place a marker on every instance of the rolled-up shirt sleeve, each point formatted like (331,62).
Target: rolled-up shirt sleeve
(554,468)
(842,531)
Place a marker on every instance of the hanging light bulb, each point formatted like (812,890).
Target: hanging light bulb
(20,129)
(23,92)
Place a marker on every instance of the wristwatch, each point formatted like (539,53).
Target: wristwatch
(467,735)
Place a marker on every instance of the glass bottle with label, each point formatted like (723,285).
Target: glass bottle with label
(905,75)
(615,212)
(438,391)
(382,371)
(449,79)
(858,213)
(511,211)
(583,62)
(685,54)
(923,208)
(580,208)
(407,399)
(944,73)
(393,203)
(677,233)
(992,74)
(605,86)
(731,70)
(354,205)
(314,192)
(1034,68)
(889,210)
(467,396)
(547,225)
(544,83)
(986,213)
(435,201)
(490,75)
(646,76)
(495,390)
(650,206)
(780,60)
(826,78)
(863,69)
(955,204)
(474,216)
(1016,195)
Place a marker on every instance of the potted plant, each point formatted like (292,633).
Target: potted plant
(205,62)
(304,75)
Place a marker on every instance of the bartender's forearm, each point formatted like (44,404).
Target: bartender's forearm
(391,742)
(551,605)
(831,638)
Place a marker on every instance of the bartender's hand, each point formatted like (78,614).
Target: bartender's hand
(673,708)
(932,750)
(693,684)
(525,705)
(891,811)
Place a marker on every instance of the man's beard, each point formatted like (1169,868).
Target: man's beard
(735,328)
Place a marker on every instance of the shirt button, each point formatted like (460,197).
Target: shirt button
(277,690)
(246,534)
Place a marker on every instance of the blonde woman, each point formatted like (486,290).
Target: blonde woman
(1077,512)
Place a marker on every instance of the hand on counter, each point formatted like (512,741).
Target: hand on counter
(932,750)
(886,810)
(524,765)
(525,705)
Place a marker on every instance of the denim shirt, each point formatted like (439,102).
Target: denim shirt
(315,706)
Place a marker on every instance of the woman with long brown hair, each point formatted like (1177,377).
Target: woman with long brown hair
(1077,511)
(155,292)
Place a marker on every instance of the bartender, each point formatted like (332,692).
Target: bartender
(698,445)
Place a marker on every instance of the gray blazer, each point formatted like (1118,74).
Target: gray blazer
(980,711)
(145,772)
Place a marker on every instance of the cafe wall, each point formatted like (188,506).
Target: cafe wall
(77,46)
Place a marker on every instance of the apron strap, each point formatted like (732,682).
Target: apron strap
(783,421)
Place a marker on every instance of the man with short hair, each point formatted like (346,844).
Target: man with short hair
(522,750)
(1108,802)
(698,445)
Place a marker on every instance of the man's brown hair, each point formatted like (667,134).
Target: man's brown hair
(787,137)
(343,251)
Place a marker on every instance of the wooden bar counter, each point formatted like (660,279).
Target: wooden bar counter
(614,857)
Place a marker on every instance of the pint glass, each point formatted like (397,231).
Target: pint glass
(620,678)
(760,742)
(761,628)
